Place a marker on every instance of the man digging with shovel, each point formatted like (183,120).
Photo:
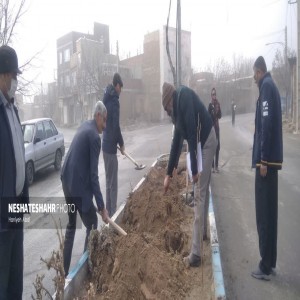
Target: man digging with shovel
(193,123)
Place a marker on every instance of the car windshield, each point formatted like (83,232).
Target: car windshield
(28,132)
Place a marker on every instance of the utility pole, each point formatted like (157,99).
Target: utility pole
(178,39)
(297,71)
(286,71)
(117,49)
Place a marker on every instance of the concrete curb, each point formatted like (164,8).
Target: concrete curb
(219,289)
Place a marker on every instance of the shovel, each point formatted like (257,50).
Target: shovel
(137,166)
(114,225)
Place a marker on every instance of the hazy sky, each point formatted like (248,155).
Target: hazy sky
(219,28)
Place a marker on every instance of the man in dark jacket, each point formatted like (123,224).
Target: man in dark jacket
(267,158)
(112,137)
(80,179)
(13,184)
(214,109)
(192,123)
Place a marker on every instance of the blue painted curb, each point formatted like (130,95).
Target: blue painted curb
(219,289)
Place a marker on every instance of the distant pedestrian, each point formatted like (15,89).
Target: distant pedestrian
(112,138)
(13,184)
(267,159)
(192,123)
(80,179)
(233,108)
(214,109)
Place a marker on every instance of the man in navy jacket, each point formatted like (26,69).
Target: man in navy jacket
(80,179)
(13,183)
(112,137)
(267,158)
(192,123)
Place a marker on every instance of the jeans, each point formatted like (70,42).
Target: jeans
(89,220)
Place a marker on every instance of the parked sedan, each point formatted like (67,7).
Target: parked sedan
(44,146)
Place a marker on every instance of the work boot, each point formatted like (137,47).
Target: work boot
(192,260)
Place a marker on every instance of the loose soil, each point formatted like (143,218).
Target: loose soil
(147,263)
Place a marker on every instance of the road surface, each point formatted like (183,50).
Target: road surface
(233,194)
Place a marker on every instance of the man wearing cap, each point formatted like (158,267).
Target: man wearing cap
(112,138)
(13,184)
(193,123)
(267,158)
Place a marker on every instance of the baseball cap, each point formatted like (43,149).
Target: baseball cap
(8,60)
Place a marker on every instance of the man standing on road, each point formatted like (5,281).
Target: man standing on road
(214,110)
(267,158)
(80,179)
(13,184)
(233,108)
(193,123)
(112,137)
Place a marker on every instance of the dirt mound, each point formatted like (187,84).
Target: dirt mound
(147,263)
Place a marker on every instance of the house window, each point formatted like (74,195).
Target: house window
(67,55)
(60,58)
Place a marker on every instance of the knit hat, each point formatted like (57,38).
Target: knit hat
(8,60)
(168,90)
(260,64)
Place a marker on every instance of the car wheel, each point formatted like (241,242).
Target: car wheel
(58,159)
(30,172)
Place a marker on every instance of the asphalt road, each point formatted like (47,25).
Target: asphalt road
(143,143)
(233,194)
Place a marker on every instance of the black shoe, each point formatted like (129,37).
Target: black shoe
(192,260)
(258,274)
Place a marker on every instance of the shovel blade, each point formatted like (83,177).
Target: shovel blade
(140,167)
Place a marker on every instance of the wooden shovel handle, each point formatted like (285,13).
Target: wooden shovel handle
(128,156)
(117,227)
(113,224)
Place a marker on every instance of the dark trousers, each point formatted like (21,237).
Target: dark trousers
(266,204)
(89,220)
(11,264)
(215,163)
(111,174)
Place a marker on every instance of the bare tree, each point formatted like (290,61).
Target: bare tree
(222,70)
(10,16)
(281,74)
(242,66)
(11,13)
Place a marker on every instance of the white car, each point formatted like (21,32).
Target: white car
(44,146)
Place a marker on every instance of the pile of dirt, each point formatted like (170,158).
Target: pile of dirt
(147,263)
